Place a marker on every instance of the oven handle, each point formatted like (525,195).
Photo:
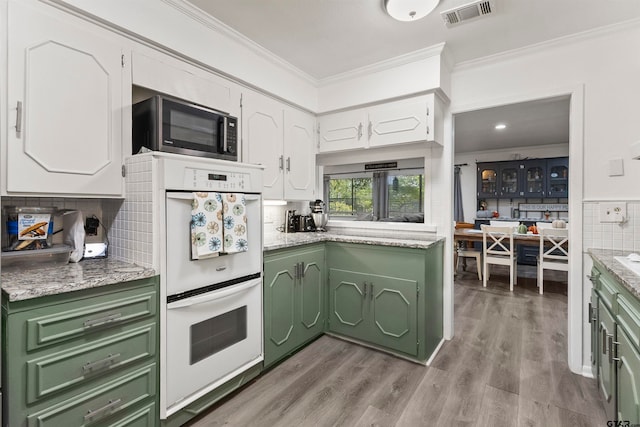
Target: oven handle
(215,295)
(189,196)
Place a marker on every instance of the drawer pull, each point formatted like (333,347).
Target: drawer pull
(100,364)
(102,320)
(101,412)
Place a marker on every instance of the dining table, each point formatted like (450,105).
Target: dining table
(475,235)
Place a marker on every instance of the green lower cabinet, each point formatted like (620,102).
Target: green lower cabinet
(616,346)
(628,380)
(294,285)
(88,357)
(606,365)
(388,297)
(373,308)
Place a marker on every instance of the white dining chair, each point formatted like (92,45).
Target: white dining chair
(464,252)
(498,249)
(554,253)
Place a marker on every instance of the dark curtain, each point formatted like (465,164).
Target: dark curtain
(458,212)
(380,196)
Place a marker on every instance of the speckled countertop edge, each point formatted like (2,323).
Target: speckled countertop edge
(606,257)
(275,241)
(25,283)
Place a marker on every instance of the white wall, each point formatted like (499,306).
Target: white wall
(603,71)
(468,174)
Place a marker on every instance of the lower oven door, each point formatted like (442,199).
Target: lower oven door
(210,339)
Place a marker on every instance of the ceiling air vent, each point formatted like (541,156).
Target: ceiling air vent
(466,12)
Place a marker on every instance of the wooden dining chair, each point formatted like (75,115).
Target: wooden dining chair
(465,250)
(498,249)
(554,252)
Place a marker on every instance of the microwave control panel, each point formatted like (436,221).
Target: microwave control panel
(211,180)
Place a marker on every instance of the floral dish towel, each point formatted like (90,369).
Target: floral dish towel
(206,225)
(235,223)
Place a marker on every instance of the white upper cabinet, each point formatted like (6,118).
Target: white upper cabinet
(397,122)
(165,74)
(299,155)
(67,85)
(282,140)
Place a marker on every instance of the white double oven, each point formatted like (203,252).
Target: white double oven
(211,310)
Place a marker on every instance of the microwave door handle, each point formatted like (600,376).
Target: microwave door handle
(225,123)
(213,295)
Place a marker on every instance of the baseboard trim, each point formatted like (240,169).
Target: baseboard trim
(435,352)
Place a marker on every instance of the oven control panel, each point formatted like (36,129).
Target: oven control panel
(212,180)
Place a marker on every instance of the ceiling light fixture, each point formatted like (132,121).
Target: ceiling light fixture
(501,126)
(409,10)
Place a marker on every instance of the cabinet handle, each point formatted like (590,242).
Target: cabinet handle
(102,320)
(370,130)
(590,313)
(604,341)
(611,349)
(103,363)
(105,410)
(371,291)
(365,290)
(288,164)
(19,119)
(281,162)
(296,274)
(302,270)
(359,130)
(428,130)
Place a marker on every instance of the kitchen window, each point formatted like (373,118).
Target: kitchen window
(394,195)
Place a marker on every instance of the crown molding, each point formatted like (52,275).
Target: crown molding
(220,27)
(594,33)
(387,64)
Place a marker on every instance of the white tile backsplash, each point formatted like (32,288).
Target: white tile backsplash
(625,236)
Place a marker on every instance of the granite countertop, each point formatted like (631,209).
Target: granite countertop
(25,283)
(273,241)
(607,258)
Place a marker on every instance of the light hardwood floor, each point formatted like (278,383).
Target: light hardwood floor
(506,366)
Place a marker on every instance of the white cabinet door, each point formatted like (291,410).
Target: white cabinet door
(299,154)
(65,97)
(343,131)
(398,122)
(263,134)
(163,73)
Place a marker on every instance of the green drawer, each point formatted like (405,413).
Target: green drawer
(145,417)
(107,402)
(84,316)
(58,371)
(607,289)
(629,317)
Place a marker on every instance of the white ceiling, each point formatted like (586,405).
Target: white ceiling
(540,122)
(327,37)
(324,38)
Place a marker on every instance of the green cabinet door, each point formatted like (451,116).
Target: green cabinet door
(594,322)
(377,309)
(294,286)
(348,303)
(628,380)
(393,313)
(311,294)
(279,308)
(606,364)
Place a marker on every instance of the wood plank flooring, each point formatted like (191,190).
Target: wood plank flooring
(506,366)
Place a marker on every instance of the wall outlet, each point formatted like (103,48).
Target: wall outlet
(613,211)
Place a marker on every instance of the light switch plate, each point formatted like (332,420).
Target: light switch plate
(613,211)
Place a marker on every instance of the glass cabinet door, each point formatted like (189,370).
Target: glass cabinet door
(558,177)
(534,179)
(509,182)
(488,180)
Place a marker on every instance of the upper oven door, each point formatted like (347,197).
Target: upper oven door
(191,127)
(184,274)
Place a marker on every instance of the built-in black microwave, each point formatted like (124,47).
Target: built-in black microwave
(162,123)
